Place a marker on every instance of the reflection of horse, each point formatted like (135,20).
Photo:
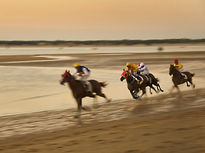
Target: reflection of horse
(133,84)
(178,78)
(78,88)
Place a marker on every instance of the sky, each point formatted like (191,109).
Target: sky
(101,19)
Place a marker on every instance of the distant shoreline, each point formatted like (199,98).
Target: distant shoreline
(97,43)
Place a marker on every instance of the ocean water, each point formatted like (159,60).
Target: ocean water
(34,89)
(67,50)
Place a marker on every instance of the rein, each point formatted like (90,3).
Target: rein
(135,79)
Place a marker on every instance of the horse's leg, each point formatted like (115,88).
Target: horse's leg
(79,102)
(134,95)
(151,86)
(143,91)
(95,105)
(172,89)
(155,82)
(176,86)
(103,95)
(150,91)
(98,92)
(187,84)
(89,94)
(190,80)
(159,88)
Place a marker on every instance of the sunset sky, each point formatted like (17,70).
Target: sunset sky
(101,19)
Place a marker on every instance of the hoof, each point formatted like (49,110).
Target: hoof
(136,97)
(109,100)
(77,116)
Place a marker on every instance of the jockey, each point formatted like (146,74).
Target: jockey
(178,65)
(84,73)
(131,68)
(143,68)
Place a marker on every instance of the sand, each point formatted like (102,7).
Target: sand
(181,129)
(167,123)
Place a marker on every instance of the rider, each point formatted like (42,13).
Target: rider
(133,69)
(84,73)
(179,67)
(143,69)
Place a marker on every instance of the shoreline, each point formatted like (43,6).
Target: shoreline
(118,58)
(100,43)
(39,121)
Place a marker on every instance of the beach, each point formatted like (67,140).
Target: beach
(162,122)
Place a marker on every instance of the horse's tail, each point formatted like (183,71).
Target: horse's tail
(157,80)
(192,74)
(153,77)
(103,84)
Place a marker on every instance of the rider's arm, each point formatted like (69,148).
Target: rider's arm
(142,68)
(180,65)
(85,72)
(76,74)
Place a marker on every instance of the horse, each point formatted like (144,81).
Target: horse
(154,81)
(133,84)
(78,89)
(178,78)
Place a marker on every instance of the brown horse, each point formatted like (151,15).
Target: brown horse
(178,78)
(79,91)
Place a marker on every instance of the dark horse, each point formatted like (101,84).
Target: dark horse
(178,78)
(133,84)
(78,88)
(154,81)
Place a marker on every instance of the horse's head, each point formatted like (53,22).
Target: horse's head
(124,75)
(66,77)
(171,69)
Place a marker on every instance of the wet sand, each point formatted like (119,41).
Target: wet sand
(164,123)
(136,127)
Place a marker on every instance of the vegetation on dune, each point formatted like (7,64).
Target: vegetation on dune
(100,42)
